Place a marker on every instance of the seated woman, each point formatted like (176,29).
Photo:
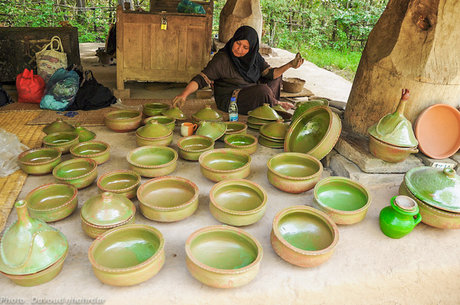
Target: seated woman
(239,70)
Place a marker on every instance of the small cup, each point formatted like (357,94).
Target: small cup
(187,129)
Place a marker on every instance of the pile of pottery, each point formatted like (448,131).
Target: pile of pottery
(272,134)
(262,115)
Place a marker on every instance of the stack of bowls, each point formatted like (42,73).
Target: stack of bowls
(207,114)
(262,115)
(272,134)
(153,133)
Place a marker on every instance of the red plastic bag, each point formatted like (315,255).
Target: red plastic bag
(30,87)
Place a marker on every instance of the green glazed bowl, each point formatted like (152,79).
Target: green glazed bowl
(97,150)
(170,123)
(304,236)
(161,141)
(123,120)
(127,255)
(213,130)
(153,161)
(122,182)
(154,109)
(237,202)
(190,148)
(39,161)
(168,199)
(294,172)
(223,256)
(225,163)
(243,142)
(236,128)
(52,202)
(344,200)
(78,172)
(62,141)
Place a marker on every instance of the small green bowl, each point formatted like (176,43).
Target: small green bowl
(123,182)
(52,202)
(123,120)
(154,109)
(170,123)
(191,148)
(236,128)
(39,161)
(237,202)
(78,172)
(244,142)
(62,141)
(225,163)
(97,150)
(153,161)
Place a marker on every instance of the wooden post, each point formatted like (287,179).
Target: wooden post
(236,13)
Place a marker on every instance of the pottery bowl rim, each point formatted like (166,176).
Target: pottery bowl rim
(224,150)
(347,181)
(254,143)
(297,154)
(238,182)
(156,117)
(110,116)
(174,159)
(154,138)
(312,211)
(183,139)
(383,143)
(32,150)
(109,226)
(224,228)
(104,144)
(47,186)
(155,106)
(115,231)
(172,178)
(118,172)
(89,161)
(73,134)
(244,125)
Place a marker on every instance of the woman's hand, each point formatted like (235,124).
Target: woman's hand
(297,61)
(179,101)
(286,105)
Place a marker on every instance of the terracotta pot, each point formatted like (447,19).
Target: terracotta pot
(191,148)
(225,163)
(153,161)
(304,236)
(39,161)
(58,126)
(388,152)
(293,84)
(243,142)
(78,172)
(223,256)
(122,182)
(123,120)
(97,150)
(62,141)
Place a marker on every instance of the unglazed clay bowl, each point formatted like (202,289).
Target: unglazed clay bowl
(190,148)
(97,150)
(123,120)
(243,142)
(170,123)
(168,199)
(153,161)
(294,172)
(223,256)
(304,236)
(39,161)
(127,255)
(344,200)
(123,182)
(388,152)
(225,163)
(52,202)
(293,84)
(152,109)
(62,141)
(236,128)
(237,202)
(78,172)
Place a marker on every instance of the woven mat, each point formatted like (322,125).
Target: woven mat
(20,106)
(14,122)
(304,92)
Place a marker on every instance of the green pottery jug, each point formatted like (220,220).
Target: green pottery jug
(400,218)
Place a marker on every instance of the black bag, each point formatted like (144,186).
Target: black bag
(4,97)
(92,95)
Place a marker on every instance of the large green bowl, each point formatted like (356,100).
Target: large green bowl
(244,142)
(153,161)
(225,163)
(127,255)
(304,236)
(52,202)
(344,200)
(223,256)
(168,199)
(39,161)
(97,150)
(152,109)
(294,172)
(237,202)
(78,172)
(123,120)
(62,141)
(190,148)
(123,182)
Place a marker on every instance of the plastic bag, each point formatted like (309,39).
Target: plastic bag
(10,148)
(60,90)
(49,61)
(187,6)
(30,87)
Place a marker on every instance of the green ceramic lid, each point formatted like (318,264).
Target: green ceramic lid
(30,245)
(207,114)
(153,129)
(265,112)
(174,113)
(58,126)
(276,130)
(84,134)
(107,210)
(436,187)
(213,130)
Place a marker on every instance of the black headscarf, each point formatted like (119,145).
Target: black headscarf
(249,65)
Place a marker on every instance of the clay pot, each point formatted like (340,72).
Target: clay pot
(153,161)
(174,113)
(304,236)
(78,172)
(39,161)
(122,182)
(153,109)
(243,142)
(62,141)
(223,256)
(225,163)
(344,200)
(207,114)
(237,202)
(388,152)
(127,255)
(123,120)
(265,112)
(170,123)
(168,199)
(84,134)
(235,128)
(213,130)
(58,126)
(52,202)
(97,150)
(190,148)
(293,84)
(304,106)
(294,172)
(400,218)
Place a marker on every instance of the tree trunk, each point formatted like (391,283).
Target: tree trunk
(415,45)
(236,13)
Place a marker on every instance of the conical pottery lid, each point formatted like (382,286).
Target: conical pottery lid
(30,245)
(276,130)
(58,126)
(265,112)
(174,113)
(207,114)
(213,130)
(107,210)
(394,128)
(153,129)
(282,112)
(304,106)
(439,188)
(84,134)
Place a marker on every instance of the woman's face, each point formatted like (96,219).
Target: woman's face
(240,48)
